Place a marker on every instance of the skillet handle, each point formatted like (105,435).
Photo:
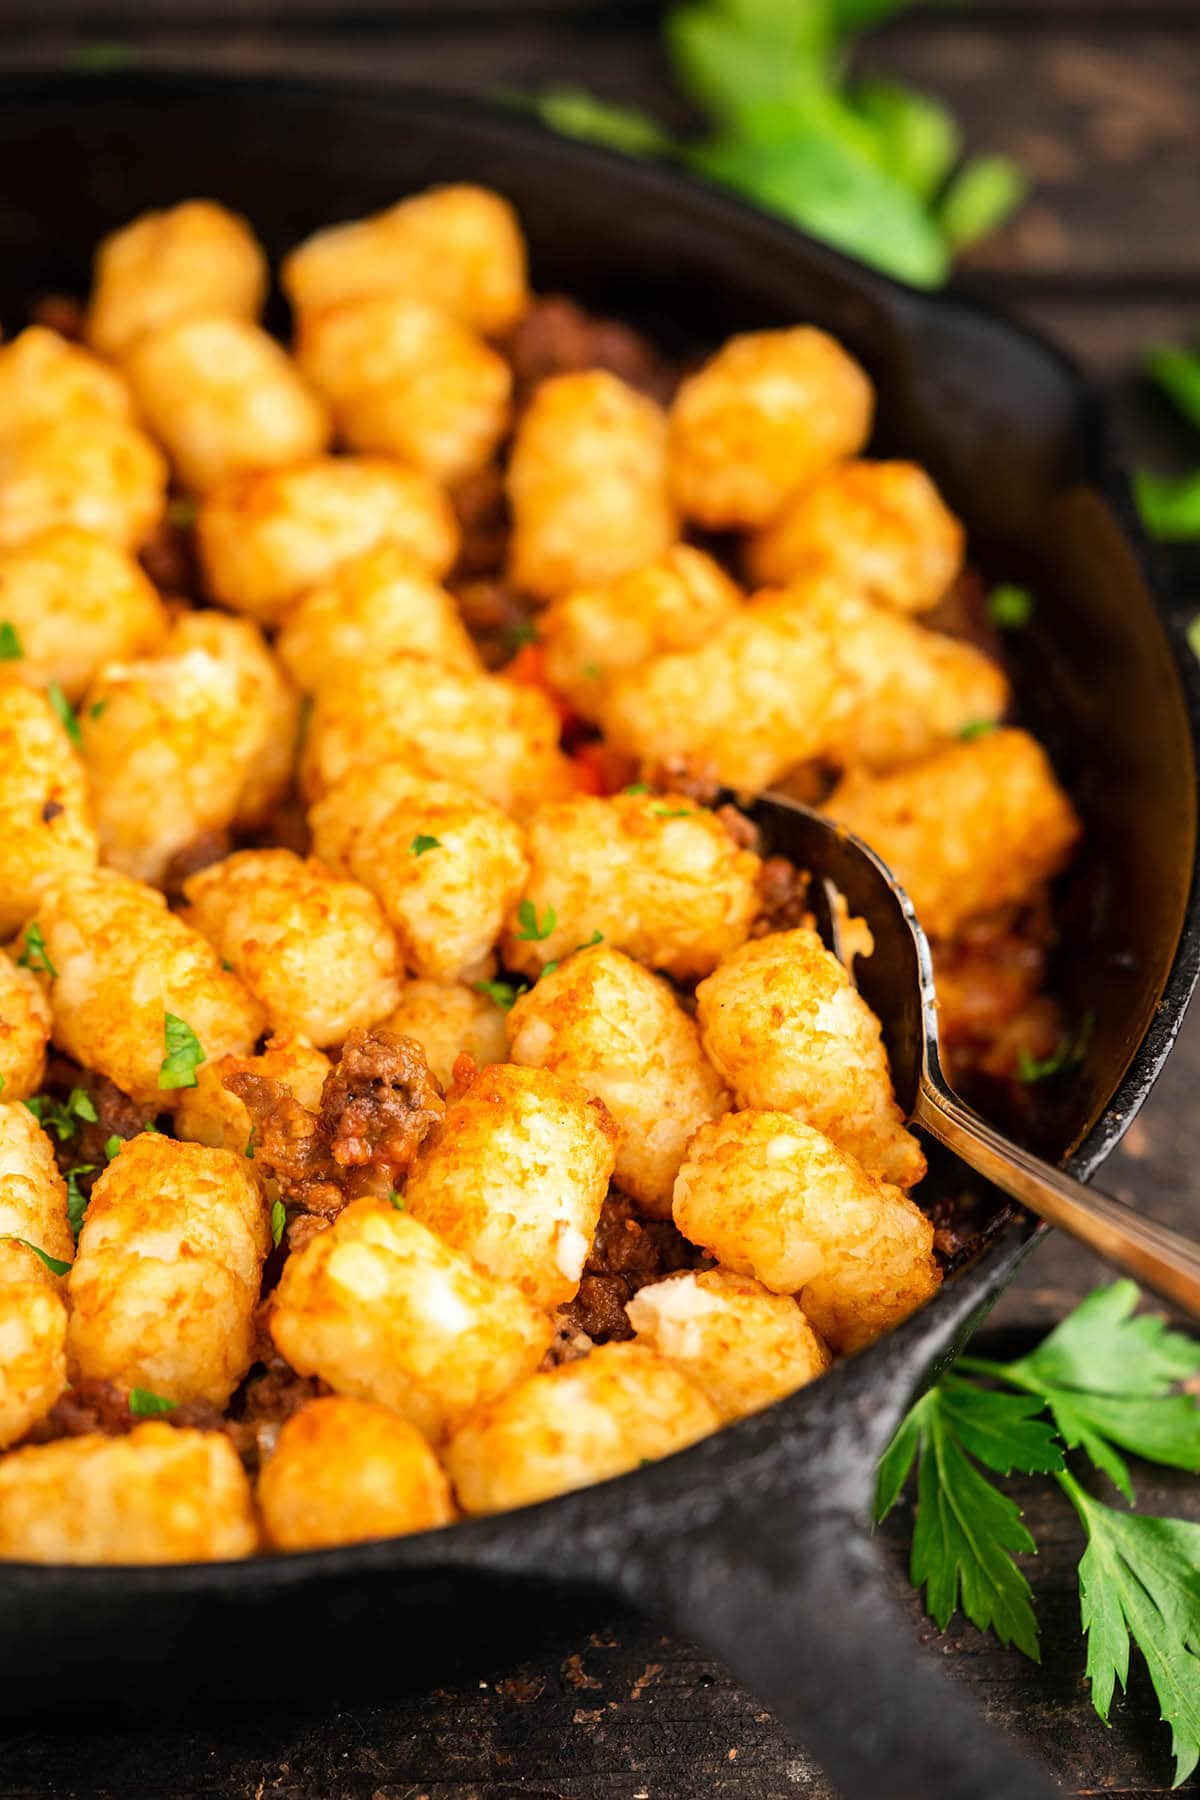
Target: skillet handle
(805,1620)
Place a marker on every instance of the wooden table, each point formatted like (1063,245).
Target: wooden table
(1101,100)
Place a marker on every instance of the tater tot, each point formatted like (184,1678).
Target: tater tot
(159,1495)
(655,874)
(585,1421)
(606,1022)
(24,1031)
(75,601)
(457,247)
(120,962)
(45,828)
(346,1471)
(210,1114)
(45,378)
(97,472)
(190,260)
(757,698)
(33,1316)
(902,691)
(587,481)
(497,737)
(265,537)
(184,745)
(382,1310)
(767,414)
(789,1032)
(594,634)
(406,379)
(448,1019)
(880,527)
(515,1175)
(315,951)
(742,1344)
(977,827)
(771,1197)
(166,1277)
(380,604)
(445,864)
(223,399)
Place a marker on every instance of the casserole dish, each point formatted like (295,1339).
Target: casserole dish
(755,1541)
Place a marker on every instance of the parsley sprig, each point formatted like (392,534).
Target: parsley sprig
(1170,504)
(62,1116)
(1103,1382)
(869,165)
(183,1053)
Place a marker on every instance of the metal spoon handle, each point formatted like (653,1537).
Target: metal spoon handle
(1154,1255)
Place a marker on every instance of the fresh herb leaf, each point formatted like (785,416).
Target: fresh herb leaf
(1139,1581)
(672,812)
(145,1405)
(34,954)
(532,931)
(61,1116)
(10,643)
(917,137)
(1010,607)
(182,511)
(503,994)
(520,633)
(396,1199)
(1177,373)
(183,1053)
(1193,637)
(77,1200)
(1067,1054)
(591,671)
(65,711)
(112,1146)
(977,728)
(421,844)
(575,113)
(1169,504)
(97,709)
(979,199)
(249,1150)
(278,1221)
(638,787)
(52,1262)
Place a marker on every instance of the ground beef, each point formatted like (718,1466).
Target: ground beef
(743,831)
(783,897)
(962,612)
(169,559)
(557,337)
(482,509)
(628,1252)
(378,1104)
(210,847)
(101,1406)
(499,617)
(266,1400)
(62,313)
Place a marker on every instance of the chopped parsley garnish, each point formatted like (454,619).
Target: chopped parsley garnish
(977,728)
(61,1116)
(591,671)
(1010,607)
(182,512)
(531,930)
(184,1054)
(97,708)
(672,812)
(1067,1054)
(278,1221)
(520,633)
(77,1200)
(34,954)
(52,1263)
(145,1405)
(638,787)
(396,1199)
(249,1150)
(112,1146)
(10,643)
(421,844)
(503,994)
(65,711)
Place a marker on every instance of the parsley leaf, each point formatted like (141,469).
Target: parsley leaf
(672,812)
(575,113)
(52,1263)
(65,711)
(10,643)
(182,511)
(60,1116)
(421,844)
(520,633)
(531,930)
(112,1146)
(504,994)
(184,1053)
(1067,1054)
(97,709)
(1177,373)
(1139,1579)
(396,1199)
(278,1221)
(34,954)
(1169,504)
(976,728)
(1010,607)
(77,1200)
(145,1405)
(638,787)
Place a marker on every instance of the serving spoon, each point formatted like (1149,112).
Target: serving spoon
(896,980)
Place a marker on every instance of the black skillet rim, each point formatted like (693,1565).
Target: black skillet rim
(916,1348)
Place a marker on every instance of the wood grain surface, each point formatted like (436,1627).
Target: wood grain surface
(1101,101)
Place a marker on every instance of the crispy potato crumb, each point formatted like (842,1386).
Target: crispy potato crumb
(771,1197)
(585,1421)
(745,1346)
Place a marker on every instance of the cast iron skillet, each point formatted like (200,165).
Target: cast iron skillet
(753,1543)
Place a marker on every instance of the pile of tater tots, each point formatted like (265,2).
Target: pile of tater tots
(422,1092)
